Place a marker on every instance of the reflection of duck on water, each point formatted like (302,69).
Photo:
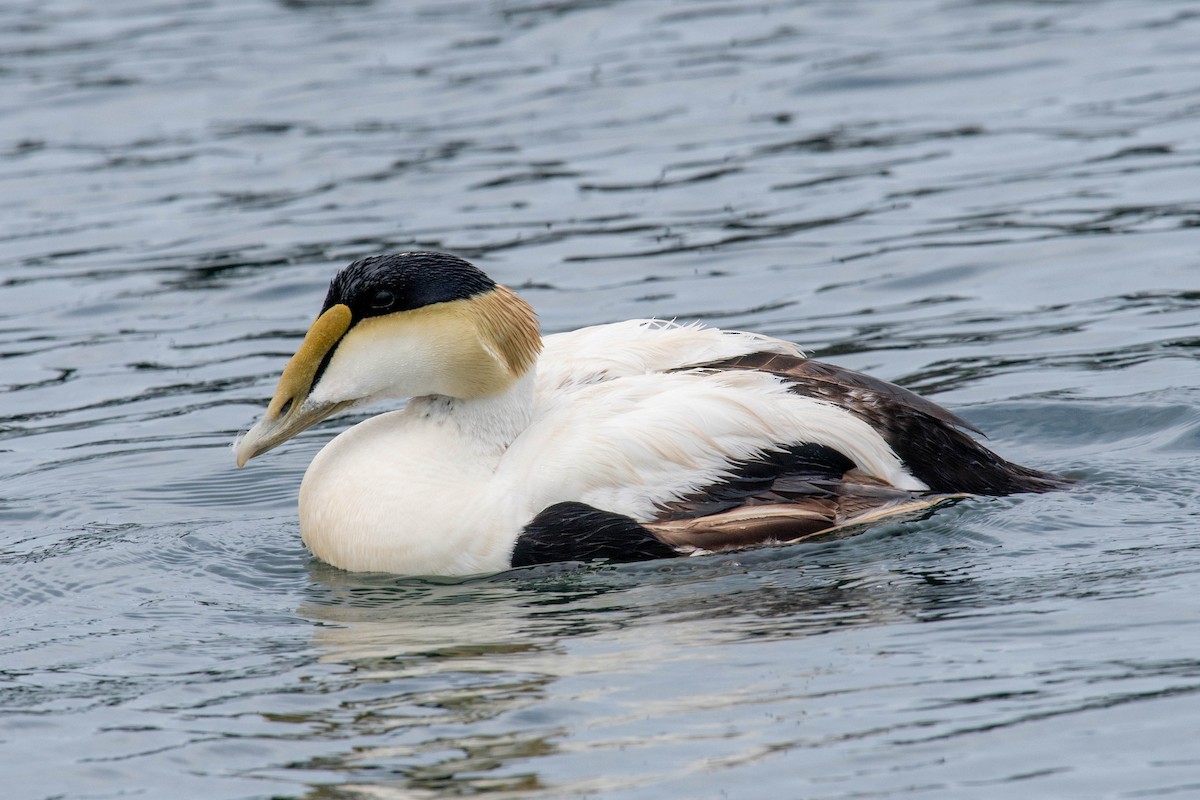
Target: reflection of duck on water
(629,441)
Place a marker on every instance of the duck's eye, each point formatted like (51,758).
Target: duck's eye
(383,300)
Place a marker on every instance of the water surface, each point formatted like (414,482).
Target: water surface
(993,203)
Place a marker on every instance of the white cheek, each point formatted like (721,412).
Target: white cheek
(368,365)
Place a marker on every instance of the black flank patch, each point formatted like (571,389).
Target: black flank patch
(574,531)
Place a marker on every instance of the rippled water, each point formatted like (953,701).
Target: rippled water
(994,203)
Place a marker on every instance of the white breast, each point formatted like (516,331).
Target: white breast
(399,494)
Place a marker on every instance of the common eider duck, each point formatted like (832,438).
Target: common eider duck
(629,441)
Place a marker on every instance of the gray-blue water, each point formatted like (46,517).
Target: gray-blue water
(994,203)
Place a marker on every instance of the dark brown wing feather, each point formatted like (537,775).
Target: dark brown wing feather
(925,435)
(812,519)
(807,491)
(800,492)
(843,387)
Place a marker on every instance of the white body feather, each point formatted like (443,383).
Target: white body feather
(445,486)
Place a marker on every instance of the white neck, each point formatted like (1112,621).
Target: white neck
(493,421)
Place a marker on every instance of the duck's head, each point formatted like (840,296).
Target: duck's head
(394,326)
